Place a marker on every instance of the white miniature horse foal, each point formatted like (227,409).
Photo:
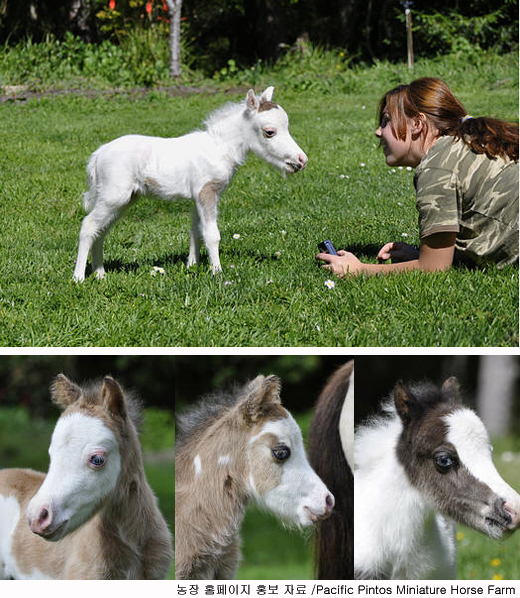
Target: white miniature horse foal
(229,451)
(196,166)
(419,468)
(93,516)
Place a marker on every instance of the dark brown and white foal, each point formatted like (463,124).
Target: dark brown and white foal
(421,466)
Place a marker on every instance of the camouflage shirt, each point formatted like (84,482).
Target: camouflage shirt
(470,194)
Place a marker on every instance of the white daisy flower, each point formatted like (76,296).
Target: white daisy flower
(330,284)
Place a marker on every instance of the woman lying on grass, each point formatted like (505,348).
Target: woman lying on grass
(466,180)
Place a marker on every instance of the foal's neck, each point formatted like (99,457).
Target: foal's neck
(232,135)
(413,540)
(127,509)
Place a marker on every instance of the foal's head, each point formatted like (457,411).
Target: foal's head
(249,446)
(85,458)
(280,477)
(269,130)
(445,451)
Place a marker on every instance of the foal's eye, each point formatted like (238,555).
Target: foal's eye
(444,462)
(281,453)
(269,133)
(97,460)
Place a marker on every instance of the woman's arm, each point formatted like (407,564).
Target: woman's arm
(436,253)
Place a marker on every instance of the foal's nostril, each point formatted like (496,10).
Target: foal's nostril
(329,502)
(44,519)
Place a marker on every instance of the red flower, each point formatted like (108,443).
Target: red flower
(164,6)
(148,8)
(112,4)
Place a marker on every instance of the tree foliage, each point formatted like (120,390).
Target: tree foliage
(246,31)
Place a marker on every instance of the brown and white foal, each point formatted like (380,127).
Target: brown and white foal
(93,516)
(231,450)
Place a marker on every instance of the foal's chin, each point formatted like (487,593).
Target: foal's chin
(491,526)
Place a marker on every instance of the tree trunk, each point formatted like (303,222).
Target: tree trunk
(174,10)
(496,385)
(80,19)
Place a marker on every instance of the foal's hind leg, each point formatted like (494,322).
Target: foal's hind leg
(194,255)
(94,228)
(207,209)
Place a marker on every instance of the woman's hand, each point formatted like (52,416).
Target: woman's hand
(398,252)
(342,264)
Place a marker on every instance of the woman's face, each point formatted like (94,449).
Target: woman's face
(398,152)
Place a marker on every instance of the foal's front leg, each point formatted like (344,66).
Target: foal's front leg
(207,211)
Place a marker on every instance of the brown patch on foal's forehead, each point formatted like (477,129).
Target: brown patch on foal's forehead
(265,472)
(91,407)
(269,439)
(266,105)
(432,428)
(272,412)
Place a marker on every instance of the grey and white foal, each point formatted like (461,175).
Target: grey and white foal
(231,450)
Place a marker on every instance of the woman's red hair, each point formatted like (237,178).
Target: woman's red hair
(433,98)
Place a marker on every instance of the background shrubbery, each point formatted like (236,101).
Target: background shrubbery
(125,42)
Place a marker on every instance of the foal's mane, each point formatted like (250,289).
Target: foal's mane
(223,112)
(426,394)
(92,396)
(207,409)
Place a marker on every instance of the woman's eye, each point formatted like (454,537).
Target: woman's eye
(269,133)
(96,460)
(281,453)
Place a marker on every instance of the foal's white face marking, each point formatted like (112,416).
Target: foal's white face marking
(224,460)
(289,488)
(84,468)
(469,436)
(197,464)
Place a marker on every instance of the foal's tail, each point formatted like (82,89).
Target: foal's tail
(333,542)
(89,198)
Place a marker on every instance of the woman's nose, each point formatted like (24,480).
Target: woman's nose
(378,132)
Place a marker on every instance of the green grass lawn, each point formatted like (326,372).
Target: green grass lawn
(272,293)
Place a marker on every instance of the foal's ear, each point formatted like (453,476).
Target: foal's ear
(252,102)
(403,402)
(260,394)
(267,95)
(451,389)
(64,392)
(113,397)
